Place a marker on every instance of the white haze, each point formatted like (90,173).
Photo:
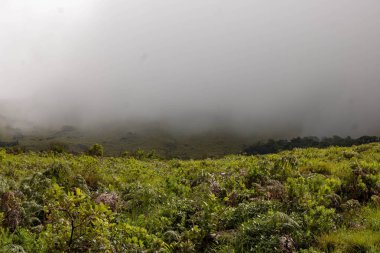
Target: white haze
(248,65)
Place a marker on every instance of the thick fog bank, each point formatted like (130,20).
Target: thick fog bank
(252,67)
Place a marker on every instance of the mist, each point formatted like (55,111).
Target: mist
(299,67)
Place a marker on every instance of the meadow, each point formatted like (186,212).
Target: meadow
(304,200)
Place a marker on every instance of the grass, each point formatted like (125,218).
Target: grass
(347,241)
(361,235)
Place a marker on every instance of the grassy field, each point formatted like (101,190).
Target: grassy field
(305,200)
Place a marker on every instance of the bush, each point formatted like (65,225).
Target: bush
(96,150)
(75,223)
(58,147)
(267,233)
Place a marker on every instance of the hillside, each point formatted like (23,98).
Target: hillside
(305,200)
(116,140)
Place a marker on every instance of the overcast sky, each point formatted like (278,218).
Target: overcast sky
(313,65)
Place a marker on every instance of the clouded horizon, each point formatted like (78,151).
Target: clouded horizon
(312,66)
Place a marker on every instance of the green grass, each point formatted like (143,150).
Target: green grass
(361,240)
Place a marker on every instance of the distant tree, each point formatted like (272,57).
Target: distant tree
(274,146)
(140,154)
(96,150)
(368,139)
(57,147)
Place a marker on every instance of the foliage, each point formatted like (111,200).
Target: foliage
(274,146)
(96,150)
(75,223)
(304,200)
(58,147)
(140,154)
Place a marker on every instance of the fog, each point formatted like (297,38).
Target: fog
(305,67)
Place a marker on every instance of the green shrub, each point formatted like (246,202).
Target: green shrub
(76,223)
(264,233)
(127,238)
(58,147)
(96,150)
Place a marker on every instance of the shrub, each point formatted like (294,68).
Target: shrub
(266,233)
(58,147)
(128,238)
(96,150)
(75,223)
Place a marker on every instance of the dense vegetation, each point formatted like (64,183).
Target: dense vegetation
(305,200)
(275,146)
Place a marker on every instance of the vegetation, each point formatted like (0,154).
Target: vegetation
(96,150)
(127,137)
(304,200)
(272,146)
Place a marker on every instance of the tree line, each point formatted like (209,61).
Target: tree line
(275,146)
